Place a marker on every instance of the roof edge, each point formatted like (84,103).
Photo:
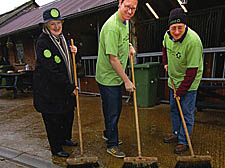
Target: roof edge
(92,10)
(71,16)
(30,2)
(19,31)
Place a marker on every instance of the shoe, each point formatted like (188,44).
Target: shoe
(114,151)
(61,154)
(70,143)
(180,148)
(170,139)
(106,139)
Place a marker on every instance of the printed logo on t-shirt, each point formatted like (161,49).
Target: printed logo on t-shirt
(126,38)
(178,55)
(173,53)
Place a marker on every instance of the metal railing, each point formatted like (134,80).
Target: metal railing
(217,52)
(89,63)
(213,75)
(207,52)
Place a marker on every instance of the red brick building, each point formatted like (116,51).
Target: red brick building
(83,21)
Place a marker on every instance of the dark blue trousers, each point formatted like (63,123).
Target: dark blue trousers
(111,106)
(187,103)
(59,128)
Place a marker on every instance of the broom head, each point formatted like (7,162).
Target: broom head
(83,161)
(142,162)
(193,162)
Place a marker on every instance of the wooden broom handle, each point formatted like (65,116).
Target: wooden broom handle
(183,121)
(77,100)
(135,108)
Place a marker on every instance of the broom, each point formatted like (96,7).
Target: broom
(139,161)
(82,161)
(192,161)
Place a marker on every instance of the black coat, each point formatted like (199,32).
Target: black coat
(51,85)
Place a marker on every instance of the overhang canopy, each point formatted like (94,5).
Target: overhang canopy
(68,9)
(75,8)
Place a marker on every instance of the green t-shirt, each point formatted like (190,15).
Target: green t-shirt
(183,55)
(114,40)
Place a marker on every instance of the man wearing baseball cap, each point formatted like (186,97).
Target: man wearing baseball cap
(182,58)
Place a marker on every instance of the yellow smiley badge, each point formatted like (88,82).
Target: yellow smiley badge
(57,59)
(54,13)
(47,53)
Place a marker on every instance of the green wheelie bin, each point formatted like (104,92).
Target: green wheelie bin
(146,82)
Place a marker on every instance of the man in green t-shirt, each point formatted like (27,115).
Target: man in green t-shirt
(113,53)
(182,58)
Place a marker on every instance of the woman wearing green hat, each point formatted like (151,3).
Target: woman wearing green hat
(54,88)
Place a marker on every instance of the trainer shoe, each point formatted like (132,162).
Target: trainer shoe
(114,151)
(106,139)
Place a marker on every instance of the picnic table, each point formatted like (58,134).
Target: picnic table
(16,81)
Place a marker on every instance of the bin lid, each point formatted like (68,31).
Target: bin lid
(146,65)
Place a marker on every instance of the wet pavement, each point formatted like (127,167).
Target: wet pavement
(23,141)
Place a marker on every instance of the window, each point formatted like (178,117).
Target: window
(20,52)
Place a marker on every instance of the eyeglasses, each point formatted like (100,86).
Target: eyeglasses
(55,24)
(174,28)
(130,8)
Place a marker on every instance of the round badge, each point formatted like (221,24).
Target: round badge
(54,13)
(57,59)
(47,53)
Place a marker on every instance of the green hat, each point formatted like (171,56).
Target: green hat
(51,14)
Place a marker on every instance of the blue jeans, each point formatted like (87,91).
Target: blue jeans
(188,108)
(112,106)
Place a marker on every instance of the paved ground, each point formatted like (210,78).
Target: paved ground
(23,141)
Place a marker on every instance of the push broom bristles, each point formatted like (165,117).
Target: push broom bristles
(82,162)
(193,165)
(193,162)
(140,162)
(89,165)
(135,165)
